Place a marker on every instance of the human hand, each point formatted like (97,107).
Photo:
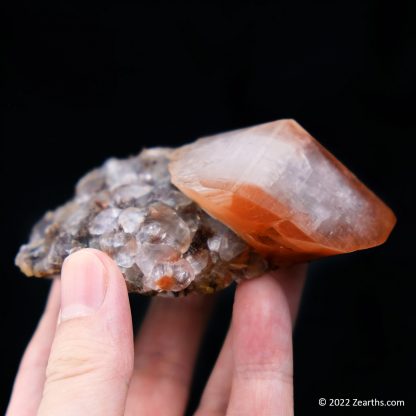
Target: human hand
(88,364)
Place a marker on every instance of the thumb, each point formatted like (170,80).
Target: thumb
(91,359)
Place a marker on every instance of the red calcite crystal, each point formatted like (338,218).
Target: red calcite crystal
(282,192)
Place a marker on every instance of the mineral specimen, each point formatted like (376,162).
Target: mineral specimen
(224,208)
(282,192)
(161,240)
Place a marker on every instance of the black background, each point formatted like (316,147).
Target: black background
(83,83)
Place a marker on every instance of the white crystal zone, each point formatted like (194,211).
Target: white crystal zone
(181,269)
(226,246)
(317,195)
(224,242)
(160,224)
(131,218)
(126,194)
(199,260)
(164,226)
(105,221)
(130,210)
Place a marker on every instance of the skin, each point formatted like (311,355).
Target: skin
(84,360)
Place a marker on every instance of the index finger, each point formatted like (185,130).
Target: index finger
(28,386)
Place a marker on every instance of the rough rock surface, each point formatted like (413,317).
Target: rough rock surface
(161,240)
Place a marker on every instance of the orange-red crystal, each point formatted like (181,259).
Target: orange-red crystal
(282,192)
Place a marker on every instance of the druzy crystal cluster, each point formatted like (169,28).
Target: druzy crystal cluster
(223,208)
(161,240)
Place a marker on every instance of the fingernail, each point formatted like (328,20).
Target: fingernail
(84,285)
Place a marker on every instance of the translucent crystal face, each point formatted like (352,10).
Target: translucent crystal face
(161,240)
(282,192)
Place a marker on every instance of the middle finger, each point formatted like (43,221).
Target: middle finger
(165,353)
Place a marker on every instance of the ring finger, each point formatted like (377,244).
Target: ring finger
(165,352)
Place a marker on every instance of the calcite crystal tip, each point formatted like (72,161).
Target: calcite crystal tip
(282,192)
(222,209)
